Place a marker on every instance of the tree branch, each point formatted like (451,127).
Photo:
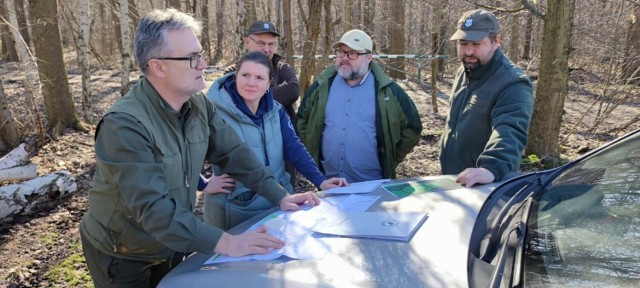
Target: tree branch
(532,8)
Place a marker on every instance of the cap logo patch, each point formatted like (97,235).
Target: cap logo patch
(468,22)
(357,40)
(266,25)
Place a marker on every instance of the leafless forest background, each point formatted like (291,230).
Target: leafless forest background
(63,64)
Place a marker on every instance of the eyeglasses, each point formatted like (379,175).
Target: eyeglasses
(194,60)
(352,55)
(261,43)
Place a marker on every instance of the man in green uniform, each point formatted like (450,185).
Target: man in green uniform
(491,105)
(149,149)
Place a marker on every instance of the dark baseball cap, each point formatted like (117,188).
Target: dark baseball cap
(474,25)
(260,27)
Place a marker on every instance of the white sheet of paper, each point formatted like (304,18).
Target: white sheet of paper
(296,233)
(357,203)
(356,188)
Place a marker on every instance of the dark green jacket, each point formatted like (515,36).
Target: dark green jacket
(398,124)
(147,170)
(487,126)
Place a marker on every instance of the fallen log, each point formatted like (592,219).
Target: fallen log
(21,198)
(19,173)
(15,165)
(17,157)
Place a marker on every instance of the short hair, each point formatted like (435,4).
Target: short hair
(493,37)
(151,34)
(256,57)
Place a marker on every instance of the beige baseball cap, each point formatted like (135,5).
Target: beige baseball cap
(356,40)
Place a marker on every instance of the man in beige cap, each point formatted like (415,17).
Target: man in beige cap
(491,104)
(356,122)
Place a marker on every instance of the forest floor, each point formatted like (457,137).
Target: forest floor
(41,248)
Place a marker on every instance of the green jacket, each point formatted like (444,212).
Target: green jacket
(148,159)
(487,126)
(398,124)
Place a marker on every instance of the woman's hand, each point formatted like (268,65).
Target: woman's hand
(219,184)
(294,201)
(333,182)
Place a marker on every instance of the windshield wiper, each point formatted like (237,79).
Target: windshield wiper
(513,247)
(505,215)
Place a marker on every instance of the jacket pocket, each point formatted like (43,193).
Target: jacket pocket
(226,213)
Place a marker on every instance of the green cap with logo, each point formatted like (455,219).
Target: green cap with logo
(474,25)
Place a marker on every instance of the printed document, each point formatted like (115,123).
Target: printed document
(356,188)
(379,225)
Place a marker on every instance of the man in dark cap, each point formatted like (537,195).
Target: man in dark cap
(490,106)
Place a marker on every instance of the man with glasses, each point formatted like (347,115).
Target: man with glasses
(149,149)
(355,121)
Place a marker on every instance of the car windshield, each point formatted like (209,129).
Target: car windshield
(584,230)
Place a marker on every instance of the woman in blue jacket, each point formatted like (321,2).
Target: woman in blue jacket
(246,104)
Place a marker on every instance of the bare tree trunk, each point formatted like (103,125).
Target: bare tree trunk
(9,138)
(312,22)
(30,66)
(115,19)
(328,38)
(174,4)
(126,43)
(632,47)
(553,81)
(83,55)
(528,34)
(219,31)
(369,16)
(287,39)
(58,101)
(134,14)
(194,6)
(347,18)
(241,26)
(396,40)
(441,25)
(515,36)
(434,73)
(206,37)
(22,21)
(9,50)
(250,8)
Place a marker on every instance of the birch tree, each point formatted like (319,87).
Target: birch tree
(83,55)
(126,45)
(28,64)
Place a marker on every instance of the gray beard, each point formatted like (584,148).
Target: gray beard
(353,75)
